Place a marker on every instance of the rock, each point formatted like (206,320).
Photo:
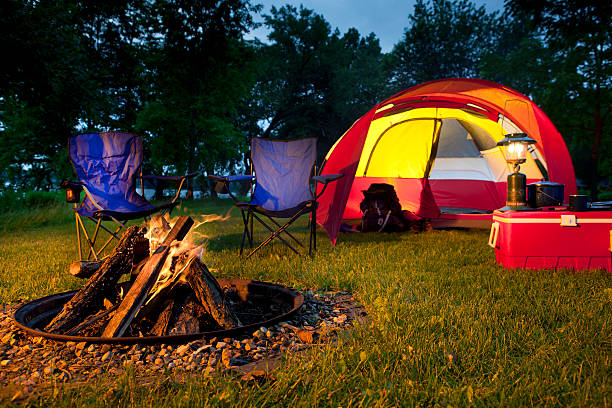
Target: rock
(107,356)
(50,370)
(204,349)
(181,350)
(255,375)
(340,319)
(226,357)
(64,376)
(308,336)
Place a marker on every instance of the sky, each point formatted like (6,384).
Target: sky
(385,18)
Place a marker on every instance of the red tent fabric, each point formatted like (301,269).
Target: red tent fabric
(492,99)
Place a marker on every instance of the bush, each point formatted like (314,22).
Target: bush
(11,201)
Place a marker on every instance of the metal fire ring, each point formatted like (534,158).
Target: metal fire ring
(32,315)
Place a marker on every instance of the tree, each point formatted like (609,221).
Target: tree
(576,39)
(73,66)
(312,82)
(197,68)
(445,39)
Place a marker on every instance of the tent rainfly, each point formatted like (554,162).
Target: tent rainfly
(436,144)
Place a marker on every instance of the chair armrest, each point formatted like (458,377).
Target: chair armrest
(65,184)
(179,179)
(168,178)
(222,186)
(229,179)
(327,178)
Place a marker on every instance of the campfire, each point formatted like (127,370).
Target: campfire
(170,292)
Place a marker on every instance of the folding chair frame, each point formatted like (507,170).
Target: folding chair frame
(248,213)
(72,195)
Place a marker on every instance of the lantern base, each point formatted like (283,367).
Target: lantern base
(521,207)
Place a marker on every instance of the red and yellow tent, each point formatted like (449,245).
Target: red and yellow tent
(436,144)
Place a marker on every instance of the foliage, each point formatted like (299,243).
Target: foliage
(181,74)
(567,64)
(197,68)
(444,39)
(312,82)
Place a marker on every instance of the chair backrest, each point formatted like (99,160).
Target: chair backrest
(108,163)
(283,170)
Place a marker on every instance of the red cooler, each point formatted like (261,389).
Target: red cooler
(554,238)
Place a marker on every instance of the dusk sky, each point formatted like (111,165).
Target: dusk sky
(386,18)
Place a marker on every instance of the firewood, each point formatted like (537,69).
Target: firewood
(209,294)
(86,269)
(186,316)
(144,281)
(160,327)
(90,298)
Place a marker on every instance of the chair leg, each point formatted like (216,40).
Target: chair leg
(78,234)
(113,236)
(87,238)
(95,235)
(313,231)
(276,234)
(286,232)
(251,236)
(245,231)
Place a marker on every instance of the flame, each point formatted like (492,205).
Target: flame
(181,253)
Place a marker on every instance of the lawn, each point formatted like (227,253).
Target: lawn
(446,325)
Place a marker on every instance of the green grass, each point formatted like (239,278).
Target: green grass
(519,338)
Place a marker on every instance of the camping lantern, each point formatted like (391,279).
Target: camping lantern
(516,153)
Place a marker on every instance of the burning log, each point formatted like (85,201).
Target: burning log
(209,294)
(145,281)
(171,292)
(101,285)
(161,325)
(84,269)
(187,316)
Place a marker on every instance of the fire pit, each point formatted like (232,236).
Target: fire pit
(34,316)
(171,295)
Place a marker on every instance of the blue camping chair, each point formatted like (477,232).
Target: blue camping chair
(282,173)
(107,165)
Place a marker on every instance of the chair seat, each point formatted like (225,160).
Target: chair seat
(130,215)
(285,213)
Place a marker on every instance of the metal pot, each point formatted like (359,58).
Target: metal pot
(544,194)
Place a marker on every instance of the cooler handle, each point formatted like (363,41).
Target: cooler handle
(494,235)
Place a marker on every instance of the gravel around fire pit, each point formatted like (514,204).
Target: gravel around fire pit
(30,362)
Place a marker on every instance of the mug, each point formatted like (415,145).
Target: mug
(579,202)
